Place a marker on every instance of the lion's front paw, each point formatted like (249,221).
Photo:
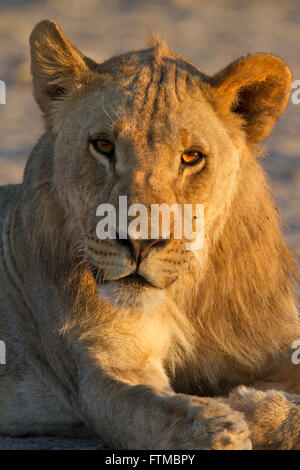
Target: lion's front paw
(273,417)
(204,423)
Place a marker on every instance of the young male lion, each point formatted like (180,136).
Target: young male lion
(143,342)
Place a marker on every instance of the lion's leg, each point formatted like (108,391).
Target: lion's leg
(140,411)
(30,408)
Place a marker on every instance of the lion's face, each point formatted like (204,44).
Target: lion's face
(153,128)
(149,137)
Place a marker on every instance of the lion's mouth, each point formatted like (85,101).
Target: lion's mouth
(132,279)
(136,279)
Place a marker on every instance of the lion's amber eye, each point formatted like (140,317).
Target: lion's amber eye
(104,146)
(191,157)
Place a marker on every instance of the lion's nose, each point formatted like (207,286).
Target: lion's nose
(139,249)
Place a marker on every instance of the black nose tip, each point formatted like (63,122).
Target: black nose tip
(139,249)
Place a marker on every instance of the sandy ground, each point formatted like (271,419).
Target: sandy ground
(210,33)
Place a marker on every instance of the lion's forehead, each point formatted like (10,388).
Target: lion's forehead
(159,90)
(153,98)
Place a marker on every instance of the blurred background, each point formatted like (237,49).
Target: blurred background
(209,33)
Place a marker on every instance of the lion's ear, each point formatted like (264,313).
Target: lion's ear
(258,88)
(57,66)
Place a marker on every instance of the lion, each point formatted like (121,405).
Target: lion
(140,341)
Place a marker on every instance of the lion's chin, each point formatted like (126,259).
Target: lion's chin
(131,292)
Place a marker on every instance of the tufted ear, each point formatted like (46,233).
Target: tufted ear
(257,87)
(57,66)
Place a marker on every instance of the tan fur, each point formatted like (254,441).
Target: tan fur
(145,366)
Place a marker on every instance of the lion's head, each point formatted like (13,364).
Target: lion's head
(151,126)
